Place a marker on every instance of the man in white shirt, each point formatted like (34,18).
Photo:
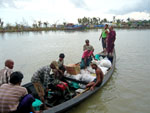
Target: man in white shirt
(6,72)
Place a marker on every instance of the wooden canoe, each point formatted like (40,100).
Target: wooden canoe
(79,98)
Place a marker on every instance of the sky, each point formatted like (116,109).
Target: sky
(59,11)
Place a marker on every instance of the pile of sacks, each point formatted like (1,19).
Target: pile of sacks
(88,74)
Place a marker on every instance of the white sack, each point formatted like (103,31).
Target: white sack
(105,63)
(88,78)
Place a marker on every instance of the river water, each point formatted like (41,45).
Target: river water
(128,89)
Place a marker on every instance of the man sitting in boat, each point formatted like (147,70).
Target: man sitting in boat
(6,72)
(15,98)
(61,62)
(99,76)
(86,58)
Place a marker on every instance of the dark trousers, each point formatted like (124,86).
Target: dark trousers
(87,63)
(25,105)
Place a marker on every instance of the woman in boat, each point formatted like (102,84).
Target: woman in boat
(110,41)
(99,76)
(11,94)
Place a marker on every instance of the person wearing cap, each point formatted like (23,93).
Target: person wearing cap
(6,71)
(58,74)
(42,76)
(86,58)
(99,76)
(15,98)
(60,62)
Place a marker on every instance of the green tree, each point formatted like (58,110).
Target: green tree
(95,21)
(99,20)
(8,26)
(1,23)
(114,18)
(79,20)
(105,20)
(45,24)
(128,19)
(39,23)
(84,21)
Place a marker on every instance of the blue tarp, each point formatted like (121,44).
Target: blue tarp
(98,25)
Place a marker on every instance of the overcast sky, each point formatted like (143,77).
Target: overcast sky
(59,11)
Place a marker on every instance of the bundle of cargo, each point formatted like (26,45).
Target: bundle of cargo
(73,69)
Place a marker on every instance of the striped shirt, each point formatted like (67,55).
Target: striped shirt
(10,96)
(5,75)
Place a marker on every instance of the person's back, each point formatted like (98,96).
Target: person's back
(6,72)
(10,94)
(42,76)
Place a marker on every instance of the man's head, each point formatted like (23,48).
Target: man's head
(16,78)
(61,56)
(106,26)
(94,65)
(54,65)
(87,42)
(9,63)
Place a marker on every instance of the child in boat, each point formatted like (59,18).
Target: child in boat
(61,62)
(99,76)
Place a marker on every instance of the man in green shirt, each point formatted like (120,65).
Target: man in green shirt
(104,36)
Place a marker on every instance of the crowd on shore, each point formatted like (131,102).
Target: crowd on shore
(15,99)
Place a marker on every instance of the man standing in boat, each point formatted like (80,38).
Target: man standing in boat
(87,45)
(99,76)
(104,36)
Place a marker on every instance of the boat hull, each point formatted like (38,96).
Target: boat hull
(74,101)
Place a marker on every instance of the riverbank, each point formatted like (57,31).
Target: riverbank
(29,29)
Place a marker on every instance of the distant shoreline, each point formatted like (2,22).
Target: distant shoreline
(61,29)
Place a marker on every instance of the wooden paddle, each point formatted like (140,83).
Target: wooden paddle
(82,92)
